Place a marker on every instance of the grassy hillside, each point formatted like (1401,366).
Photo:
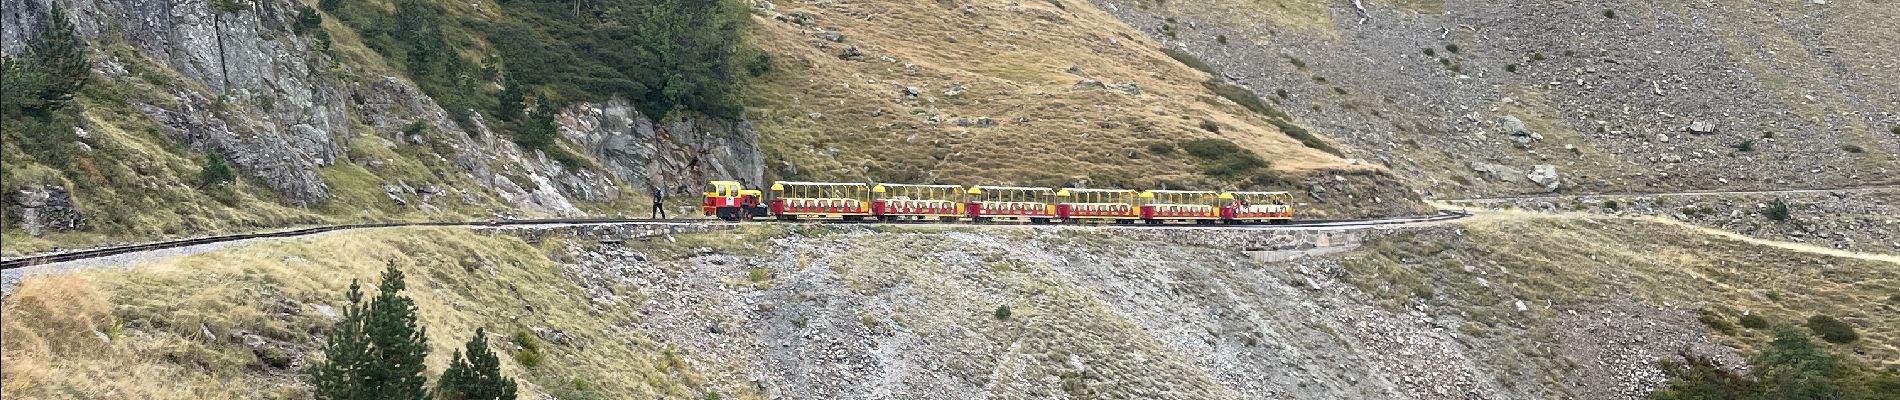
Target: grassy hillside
(241,324)
(934,92)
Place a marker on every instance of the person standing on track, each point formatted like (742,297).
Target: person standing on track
(659,210)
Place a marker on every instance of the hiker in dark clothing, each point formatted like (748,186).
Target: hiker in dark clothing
(659,211)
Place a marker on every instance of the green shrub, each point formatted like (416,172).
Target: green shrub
(1210,148)
(1777,211)
(1715,321)
(1790,367)
(1895,299)
(1745,146)
(1895,130)
(1168,30)
(1611,205)
(1002,312)
(1189,59)
(1210,126)
(1242,96)
(1339,90)
(1305,138)
(1320,79)
(1235,165)
(1222,39)
(1451,47)
(759,275)
(1297,63)
(307,19)
(1832,330)
(1608,13)
(1429,52)
(1754,321)
(1280,92)
(1162,148)
(216,171)
(529,348)
(1852,149)
(1510,68)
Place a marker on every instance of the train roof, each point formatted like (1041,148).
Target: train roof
(818,183)
(922,186)
(1182,191)
(1011,188)
(1260,193)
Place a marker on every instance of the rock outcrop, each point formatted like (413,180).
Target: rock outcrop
(43,209)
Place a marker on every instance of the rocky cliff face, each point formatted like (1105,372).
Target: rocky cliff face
(1608,96)
(239,82)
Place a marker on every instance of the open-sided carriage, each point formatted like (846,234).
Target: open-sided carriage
(895,202)
(1118,205)
(1269,207)
(990,203)
(1162,206)
(795,200)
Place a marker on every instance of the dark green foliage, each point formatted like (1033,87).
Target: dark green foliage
(1608,13)
(323,41)
(1210,126)
(1895,130)
(1852,149)
(377,350)
(1777,211)
(415,127)
(1451,47)
(1222,39)
(509,102)
(1717,322)
(529,354)
(1242,96)
(1305,138)
(1538,56)
(61,57)
(1611,205)
(1297,63)
(538,130)
(713,395)
(1510,68)
(1339,90)
(477,377)
(1002,312)
(1754,321)
(1790,367)
(1320,79)
(1895,299)
(1168,30)
(1162,148)
(1429,52)
(1209,148)
(217,171)
(1189,60)
(1745,146)
(330,5)
(1280,92)
(1223,158)
(1832,330)
(307,19)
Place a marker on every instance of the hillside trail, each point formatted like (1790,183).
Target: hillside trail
(1480,214)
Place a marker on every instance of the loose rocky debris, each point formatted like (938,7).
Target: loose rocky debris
(1865,220)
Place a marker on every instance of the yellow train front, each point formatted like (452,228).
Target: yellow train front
(731,201)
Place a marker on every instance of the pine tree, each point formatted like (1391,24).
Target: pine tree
(509,107)
(330,5)
(216,171)
(477,377)
(62,56)
(377,350)
(307,19)
(538,130)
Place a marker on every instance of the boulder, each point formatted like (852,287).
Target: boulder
(1128,88)
(1089,84)
(1546,176)
(1504,173)
(1702,127)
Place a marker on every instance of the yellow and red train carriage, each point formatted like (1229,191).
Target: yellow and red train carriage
(917,202)
(731,201)
(795,200)
(1118,205)
(989,203)
(1269,207)
(1161,206)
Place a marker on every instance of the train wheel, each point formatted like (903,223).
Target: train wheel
(1039,221)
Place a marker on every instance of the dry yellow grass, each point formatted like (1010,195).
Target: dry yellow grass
(141,332)
(1013,64)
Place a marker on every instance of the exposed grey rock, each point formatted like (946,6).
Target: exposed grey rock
(1500,172)
(1089,84)
(954,90)
(833,36)
(1546,176)
(43,209)
(1128,88)
(1702,127)
(851,53)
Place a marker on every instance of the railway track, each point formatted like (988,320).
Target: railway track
(42,259)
